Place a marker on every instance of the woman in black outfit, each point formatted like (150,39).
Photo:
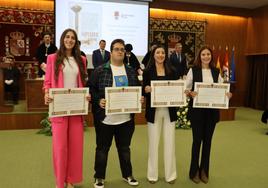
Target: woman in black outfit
(203,120)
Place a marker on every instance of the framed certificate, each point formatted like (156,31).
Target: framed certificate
(122,100)
(168,93)
(211,95)
(68,102)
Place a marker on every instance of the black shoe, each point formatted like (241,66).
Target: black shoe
(131,181)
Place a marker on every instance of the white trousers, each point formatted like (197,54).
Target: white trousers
(162,120)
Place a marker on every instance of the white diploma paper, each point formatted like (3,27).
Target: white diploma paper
(68,102)
(122,100)
(211,95)
(168,93)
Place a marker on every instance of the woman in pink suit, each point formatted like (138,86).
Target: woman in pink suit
(66,69)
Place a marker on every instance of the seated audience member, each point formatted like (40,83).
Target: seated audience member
(11,78)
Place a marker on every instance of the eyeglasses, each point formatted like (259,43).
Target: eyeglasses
(119,49)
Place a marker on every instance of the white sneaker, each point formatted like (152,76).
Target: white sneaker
(131,181)
(99,183)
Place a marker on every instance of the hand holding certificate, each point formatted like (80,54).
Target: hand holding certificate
(213,95)
(121,100)
(168,93)
(68,102)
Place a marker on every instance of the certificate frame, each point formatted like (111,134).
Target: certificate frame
(123,100)
(211,95)
(161,98)
(68,102)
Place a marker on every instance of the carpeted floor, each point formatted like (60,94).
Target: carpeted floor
(238,159)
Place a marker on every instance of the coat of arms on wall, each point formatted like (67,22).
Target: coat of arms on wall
(16,44)
(168,32)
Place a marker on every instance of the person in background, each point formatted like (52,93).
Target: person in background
(147,56)
(178,60)
(46,48)
(11,78)
(158,118)
(114,73)
(131,59)
(100,56)
(203,120)
(82,53)
(264,117)
(66,69)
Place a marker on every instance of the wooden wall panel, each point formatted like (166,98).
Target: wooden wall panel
(221,30)
(21,121)
(257,38)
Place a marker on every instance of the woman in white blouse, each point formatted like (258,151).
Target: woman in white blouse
(203,120)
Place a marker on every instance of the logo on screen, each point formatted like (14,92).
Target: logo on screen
(116,15)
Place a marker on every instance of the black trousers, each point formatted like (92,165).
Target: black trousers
(14,89)
(104,137)
(202,132)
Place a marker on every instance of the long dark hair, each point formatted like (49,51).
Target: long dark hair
(151,63)
(198,61)
(76,53)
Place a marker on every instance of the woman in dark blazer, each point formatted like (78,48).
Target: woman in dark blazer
(203,120)
(159,68)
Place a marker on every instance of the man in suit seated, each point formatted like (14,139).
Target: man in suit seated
(178,60)
(100,56)
(11,78)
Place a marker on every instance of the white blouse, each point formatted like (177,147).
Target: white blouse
(70,73)
(206,75)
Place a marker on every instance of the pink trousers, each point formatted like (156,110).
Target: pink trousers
(67,141)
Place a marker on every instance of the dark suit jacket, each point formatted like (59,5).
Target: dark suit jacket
(133,61)
(264,116)
(97,59)
(179,65)
(146,58)
(42,57)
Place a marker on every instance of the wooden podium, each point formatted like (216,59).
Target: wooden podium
(35,95)
(3,107)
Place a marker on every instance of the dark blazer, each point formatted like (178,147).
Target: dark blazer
(133,61)
(41,55)
(264,116)
(12,73)
(146,58)
(97,59)
(179,65)
(148,75)
(194,113)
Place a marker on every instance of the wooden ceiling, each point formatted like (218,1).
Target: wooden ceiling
(32,4)
(49,4)
(248,4)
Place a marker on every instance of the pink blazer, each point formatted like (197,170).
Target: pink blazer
(50,80)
